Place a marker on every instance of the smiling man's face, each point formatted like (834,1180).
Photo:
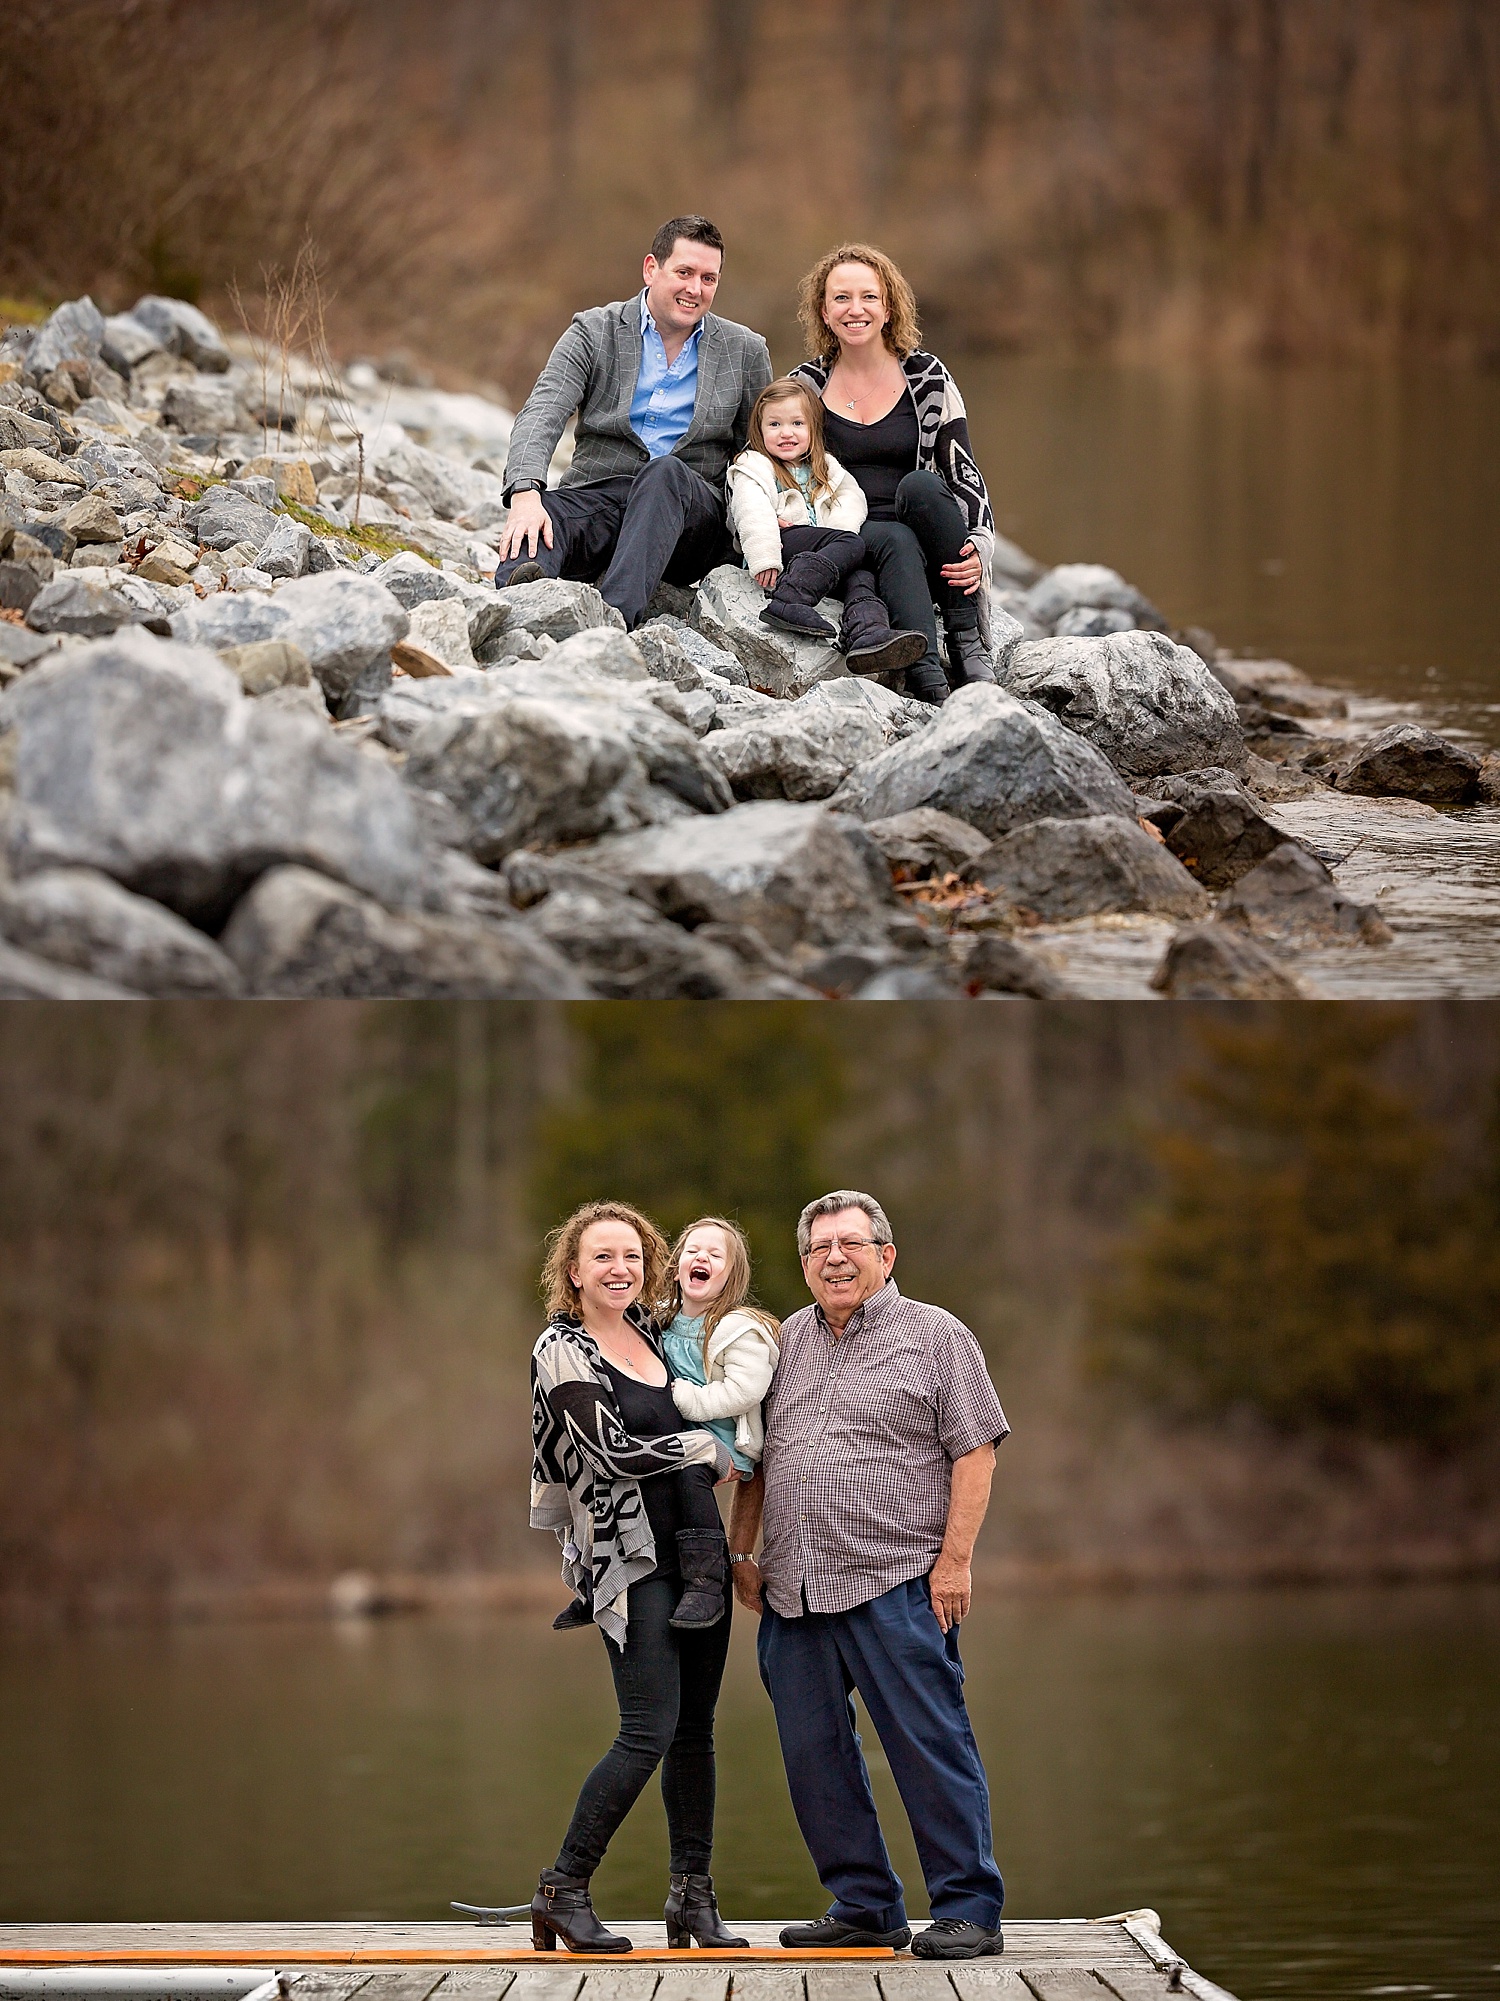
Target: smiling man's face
(680,292)
(843,1267)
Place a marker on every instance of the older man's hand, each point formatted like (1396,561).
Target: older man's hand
(746,1577)
(951,1584)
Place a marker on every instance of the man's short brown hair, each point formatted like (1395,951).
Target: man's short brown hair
(696,228)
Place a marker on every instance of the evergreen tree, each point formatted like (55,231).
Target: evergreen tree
(687,1109)
(1306,1254)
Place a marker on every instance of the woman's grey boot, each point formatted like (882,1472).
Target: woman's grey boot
(968,656)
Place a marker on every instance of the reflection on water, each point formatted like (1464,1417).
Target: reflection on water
(1342,519)
(1307,1786)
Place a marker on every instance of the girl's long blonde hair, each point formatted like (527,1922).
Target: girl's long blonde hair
(735,1296)
(557,1286)
(783,390)
(903,331)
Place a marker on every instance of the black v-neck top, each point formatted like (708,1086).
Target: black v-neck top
(646,1412)
(879,455)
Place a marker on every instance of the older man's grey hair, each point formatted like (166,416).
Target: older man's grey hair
(832,1205)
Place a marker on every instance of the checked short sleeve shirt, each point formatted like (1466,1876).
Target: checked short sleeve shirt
(861,1435)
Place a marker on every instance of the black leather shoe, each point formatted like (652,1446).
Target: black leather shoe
(692,1912)
(562,1909)
(956,1938)
(828,1931)
(527,572)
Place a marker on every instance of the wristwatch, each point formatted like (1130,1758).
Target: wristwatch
(746,1558)
(529,486)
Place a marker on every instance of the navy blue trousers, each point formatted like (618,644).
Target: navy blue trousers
(910,1679)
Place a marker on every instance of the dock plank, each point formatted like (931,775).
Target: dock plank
(842,1983)
(546,1983)
(477,1983)
(704,1980)
(1138,1983)
(330,1984)
(614,1982)
(1064,1983)
(767,1983)
(907,1982)
(988,1983)
(414,1984)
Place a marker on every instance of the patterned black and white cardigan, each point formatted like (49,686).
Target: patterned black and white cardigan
(942,439)
(587,1468)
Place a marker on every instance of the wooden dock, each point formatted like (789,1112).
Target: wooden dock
(1122,1958)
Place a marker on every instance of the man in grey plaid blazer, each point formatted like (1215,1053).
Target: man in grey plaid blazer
(663,389)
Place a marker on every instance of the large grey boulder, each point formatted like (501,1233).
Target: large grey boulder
(23,976)
(128,342)
(1411,763)
(1221,834)
(345,624)
(996,964)
(925,842)
(284,551)
(75,332)
(76,604)
(183,330)
(1291,896)
(203,406)
(1222,962)
(449,487)
(1060,869)
(223,518)
(803,749)
(553,608)
(1148,705)
(77,917)
(727,611)
(701,653)
(797,874)
(144,760)
(625,948)
(527,768)
(412,581)
(993,761)
(299,935)
(1089,587)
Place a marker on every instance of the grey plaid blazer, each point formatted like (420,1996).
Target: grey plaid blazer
(593,370)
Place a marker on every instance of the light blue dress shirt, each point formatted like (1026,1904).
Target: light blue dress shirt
(662,407)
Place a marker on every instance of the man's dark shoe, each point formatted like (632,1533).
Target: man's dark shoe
(830,1931)
(956,1938)
(528,572)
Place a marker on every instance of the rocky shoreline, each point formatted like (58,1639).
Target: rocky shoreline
(267,730)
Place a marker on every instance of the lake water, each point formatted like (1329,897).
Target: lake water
(1306,1785)
(1347,520)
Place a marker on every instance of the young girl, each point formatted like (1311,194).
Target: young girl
(795,513)
(722,1352)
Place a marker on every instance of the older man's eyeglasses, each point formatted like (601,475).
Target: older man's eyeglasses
(822,1251)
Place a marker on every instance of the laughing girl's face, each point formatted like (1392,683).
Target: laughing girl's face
(702,1269)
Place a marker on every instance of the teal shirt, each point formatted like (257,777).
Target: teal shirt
(683,1345)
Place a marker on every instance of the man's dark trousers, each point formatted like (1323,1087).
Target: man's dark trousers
(626,534)
(908,1675)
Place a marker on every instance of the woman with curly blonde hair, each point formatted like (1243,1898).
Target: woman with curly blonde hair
(629,1494)
(894,418)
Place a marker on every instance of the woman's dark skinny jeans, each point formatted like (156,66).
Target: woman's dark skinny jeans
(907,556)
(667,1685)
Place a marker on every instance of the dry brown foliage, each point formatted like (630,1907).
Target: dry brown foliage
(1243,177)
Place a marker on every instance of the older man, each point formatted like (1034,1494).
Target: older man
(881,1428)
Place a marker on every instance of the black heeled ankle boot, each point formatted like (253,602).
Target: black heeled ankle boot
(692,1912)
(794,602)
(703,1559)
(562,1909)
(968,656)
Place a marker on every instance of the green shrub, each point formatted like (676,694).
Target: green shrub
(1311,1251)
